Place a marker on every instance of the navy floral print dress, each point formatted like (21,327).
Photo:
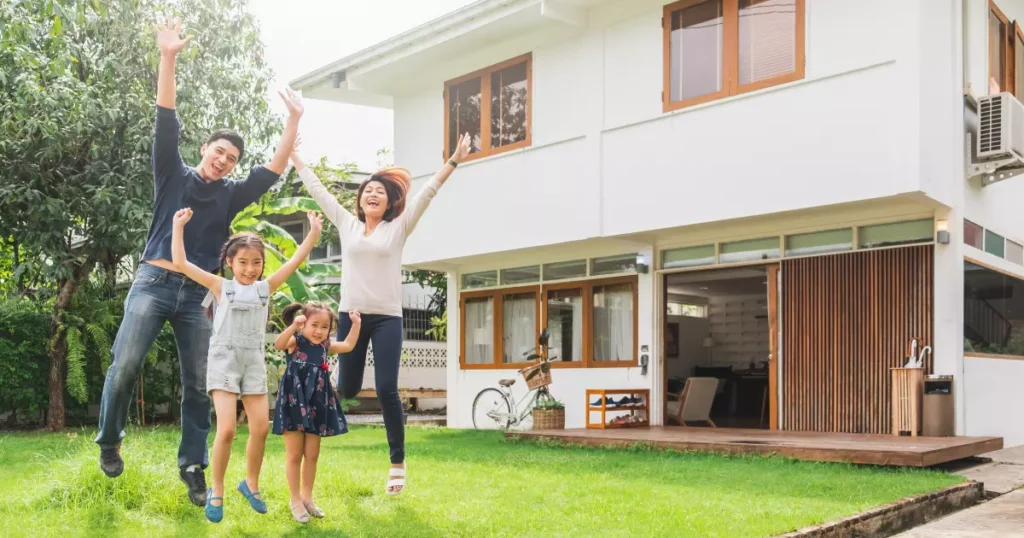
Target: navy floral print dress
(306,402)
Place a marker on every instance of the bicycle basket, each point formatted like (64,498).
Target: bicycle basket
(538,375)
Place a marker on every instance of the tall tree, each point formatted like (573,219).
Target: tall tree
(77,91)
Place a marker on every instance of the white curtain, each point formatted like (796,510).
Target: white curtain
(566,308)
(613,323)
(479,331)
(519,320)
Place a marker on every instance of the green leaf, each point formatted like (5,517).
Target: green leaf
(278,237)
(287,206)
(58,26)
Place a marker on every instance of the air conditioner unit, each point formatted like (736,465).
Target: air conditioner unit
(998,151)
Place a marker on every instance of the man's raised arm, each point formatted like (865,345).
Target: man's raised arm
(168,38)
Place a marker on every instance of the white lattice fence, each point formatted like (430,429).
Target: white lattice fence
(424,365)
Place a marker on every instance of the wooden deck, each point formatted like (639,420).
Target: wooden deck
(868,449)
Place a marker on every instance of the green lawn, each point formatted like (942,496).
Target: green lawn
(461,483)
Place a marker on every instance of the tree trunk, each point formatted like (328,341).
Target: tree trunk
(58,344)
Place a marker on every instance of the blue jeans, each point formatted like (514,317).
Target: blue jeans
(386,334)
(156,296)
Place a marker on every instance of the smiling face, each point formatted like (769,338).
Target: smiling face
(246,265)
(374,200)
(318,326)
(219,159)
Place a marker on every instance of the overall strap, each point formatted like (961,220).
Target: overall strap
(263,290)
(228,289)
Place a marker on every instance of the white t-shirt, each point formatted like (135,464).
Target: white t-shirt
(371,266)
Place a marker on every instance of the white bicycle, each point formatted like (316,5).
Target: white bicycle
(493,407)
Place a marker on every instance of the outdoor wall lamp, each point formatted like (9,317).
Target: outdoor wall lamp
(942,232)
(641,264)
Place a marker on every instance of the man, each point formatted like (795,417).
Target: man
(159,293)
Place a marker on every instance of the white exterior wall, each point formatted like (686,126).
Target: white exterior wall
(877,114)
(605,160)
(989,392)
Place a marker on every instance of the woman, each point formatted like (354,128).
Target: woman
(371,281)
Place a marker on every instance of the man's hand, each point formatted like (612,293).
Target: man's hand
(182,216)
(168,37)
(293,102)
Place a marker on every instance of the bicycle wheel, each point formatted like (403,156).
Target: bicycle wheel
(491,411)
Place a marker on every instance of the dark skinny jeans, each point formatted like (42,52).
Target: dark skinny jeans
(386,334)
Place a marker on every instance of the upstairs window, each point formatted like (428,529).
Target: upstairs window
(718,48)
(492,105)
(1000,51)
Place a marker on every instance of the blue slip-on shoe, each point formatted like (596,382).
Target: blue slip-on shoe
(214,513)
(256,503)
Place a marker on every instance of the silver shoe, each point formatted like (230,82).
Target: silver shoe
(313,509)
(299,513)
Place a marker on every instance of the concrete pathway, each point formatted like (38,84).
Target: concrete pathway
(1002,517)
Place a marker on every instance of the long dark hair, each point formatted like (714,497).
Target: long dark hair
(291,311)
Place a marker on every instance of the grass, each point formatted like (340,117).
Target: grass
(461,483)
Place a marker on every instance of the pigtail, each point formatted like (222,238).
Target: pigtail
(289,313)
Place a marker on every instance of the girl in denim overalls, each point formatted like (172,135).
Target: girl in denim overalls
(236,360)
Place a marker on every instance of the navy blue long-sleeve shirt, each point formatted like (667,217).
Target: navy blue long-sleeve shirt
(214,204)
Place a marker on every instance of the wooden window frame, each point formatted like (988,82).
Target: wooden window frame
(730,56)
(1016,36)
(485,108)
(1006,85)
(586,287)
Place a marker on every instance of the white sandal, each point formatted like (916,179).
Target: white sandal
(396,478)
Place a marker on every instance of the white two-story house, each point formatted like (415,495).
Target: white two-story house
(771,192)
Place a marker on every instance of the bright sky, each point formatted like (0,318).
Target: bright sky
(302,35)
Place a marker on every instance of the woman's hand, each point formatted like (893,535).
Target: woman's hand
(463,149)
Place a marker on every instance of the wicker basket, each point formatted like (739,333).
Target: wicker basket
(549,419)
(538,375)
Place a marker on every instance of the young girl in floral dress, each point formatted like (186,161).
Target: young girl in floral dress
(307,406)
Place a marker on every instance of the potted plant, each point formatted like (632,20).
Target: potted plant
(549,414)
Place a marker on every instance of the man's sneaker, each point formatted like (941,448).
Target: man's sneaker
(110,460)
(196,482)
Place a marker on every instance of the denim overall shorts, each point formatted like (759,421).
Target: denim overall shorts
(236,361)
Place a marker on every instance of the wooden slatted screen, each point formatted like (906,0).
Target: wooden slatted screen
(847,319)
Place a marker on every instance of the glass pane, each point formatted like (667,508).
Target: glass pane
(520,275)
(688,257)
(464,113)
(993,316)
(295,229)
(519,326)
(1014,252)
(819,242)
(565,325)
(508,105)
(996,60)
(1018,67)
(750,250)
(613,264)
(896,233)
(994,244)
(695,55)
(484,279)
(479,335)
(767,39)
(613,323)
(327,249)
(564,270)
(973,234)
